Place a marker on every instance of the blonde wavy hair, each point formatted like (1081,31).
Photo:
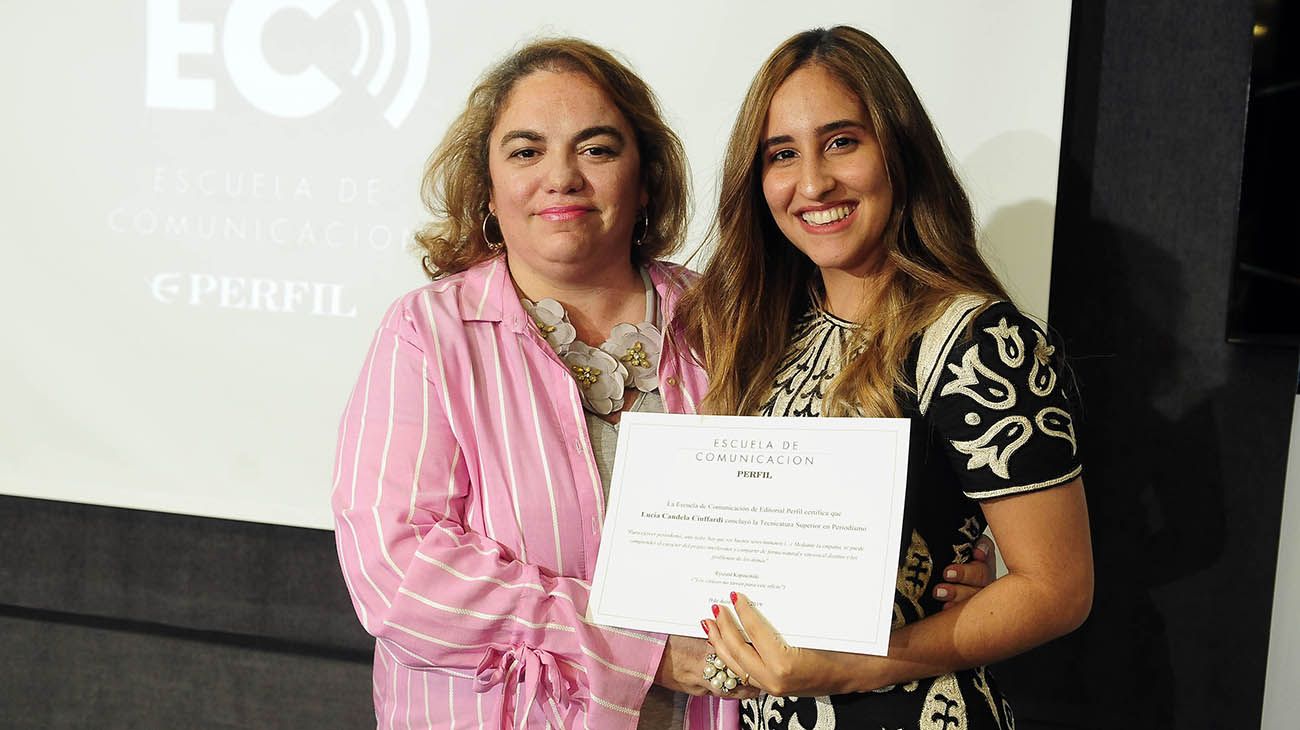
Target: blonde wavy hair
(738,318)
(457,185)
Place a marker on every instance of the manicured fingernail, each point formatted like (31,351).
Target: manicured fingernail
(715,610)
(704,626)
(940,592)
(950,574)
(733,598)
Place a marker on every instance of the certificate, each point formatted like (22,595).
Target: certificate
(802,515)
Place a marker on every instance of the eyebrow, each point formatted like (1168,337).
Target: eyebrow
(524,134)
(582,136)
(598,131)
(823,129)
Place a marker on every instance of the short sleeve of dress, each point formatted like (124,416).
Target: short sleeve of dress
(993,390)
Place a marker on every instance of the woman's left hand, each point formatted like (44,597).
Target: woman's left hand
(963,580)
(769,663)
(682,670)
(783,670)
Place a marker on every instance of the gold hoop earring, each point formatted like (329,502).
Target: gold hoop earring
(497,245)
(644,221)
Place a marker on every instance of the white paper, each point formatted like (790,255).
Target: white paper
(802,515)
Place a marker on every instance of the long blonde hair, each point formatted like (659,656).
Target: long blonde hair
(457,186)
(739,316)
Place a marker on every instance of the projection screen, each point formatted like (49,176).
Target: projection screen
(209,204)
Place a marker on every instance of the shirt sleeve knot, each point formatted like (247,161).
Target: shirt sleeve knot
(535,672)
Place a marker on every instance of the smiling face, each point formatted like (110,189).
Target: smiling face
(824,175)
(566,174)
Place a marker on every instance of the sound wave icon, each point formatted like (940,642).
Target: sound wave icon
(417,58)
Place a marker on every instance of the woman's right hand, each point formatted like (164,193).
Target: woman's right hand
(682,670)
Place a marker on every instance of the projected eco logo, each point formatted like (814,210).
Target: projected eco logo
(286,95)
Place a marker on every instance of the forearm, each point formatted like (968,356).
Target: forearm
(451,594)
(459,604)
(1047,593)
(1014,614)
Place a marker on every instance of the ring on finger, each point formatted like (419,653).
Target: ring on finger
(721,677)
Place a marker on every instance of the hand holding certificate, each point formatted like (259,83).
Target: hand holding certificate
(802,515)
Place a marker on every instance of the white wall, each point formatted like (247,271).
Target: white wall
(1282,685)
(209,207)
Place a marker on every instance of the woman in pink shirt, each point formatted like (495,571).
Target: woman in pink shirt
(468,489)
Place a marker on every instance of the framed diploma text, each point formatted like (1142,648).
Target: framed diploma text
(803,515)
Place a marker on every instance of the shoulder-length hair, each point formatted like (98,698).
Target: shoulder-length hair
(738,318)
(457,185)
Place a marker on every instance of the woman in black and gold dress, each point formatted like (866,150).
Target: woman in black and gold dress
(846,282)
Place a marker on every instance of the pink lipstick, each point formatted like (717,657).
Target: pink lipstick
(564,212)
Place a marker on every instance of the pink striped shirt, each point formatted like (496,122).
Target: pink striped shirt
(468,512)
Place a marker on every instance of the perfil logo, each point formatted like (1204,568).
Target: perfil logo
(286,95)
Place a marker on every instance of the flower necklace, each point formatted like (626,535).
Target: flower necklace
(628,359)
